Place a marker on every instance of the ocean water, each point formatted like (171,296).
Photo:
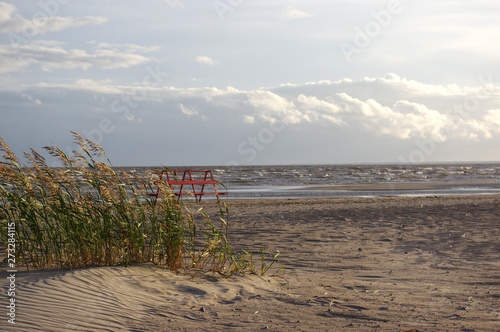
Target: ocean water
(317,181)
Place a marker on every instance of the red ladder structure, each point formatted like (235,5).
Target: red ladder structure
(196,179)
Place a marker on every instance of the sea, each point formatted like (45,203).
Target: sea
(342,181)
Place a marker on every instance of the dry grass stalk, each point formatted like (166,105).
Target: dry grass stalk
(87,214)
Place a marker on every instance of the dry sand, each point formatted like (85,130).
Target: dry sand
(383,264)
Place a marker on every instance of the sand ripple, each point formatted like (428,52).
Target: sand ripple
(121,299)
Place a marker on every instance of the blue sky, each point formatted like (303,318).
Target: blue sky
(235,82)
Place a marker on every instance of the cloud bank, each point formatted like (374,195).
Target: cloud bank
(389,109)
(377,107)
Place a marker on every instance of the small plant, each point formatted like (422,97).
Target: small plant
(264,267)
(86,213)
(247,262)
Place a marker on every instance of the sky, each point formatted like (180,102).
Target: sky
(240,82)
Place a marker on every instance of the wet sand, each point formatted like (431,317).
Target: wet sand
(363,264)
(408,186)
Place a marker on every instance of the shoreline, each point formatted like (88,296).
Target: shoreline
(385,263)
(407,186)
(417,189)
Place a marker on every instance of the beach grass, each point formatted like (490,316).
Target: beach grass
(86,213)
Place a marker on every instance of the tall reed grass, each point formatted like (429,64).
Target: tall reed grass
(86,213)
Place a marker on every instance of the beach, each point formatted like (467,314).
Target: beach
(350,264)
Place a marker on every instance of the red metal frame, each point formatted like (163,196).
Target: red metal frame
(194,182)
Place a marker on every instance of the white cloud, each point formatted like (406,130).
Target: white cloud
(419,88)
(248,119)
(187,111)
(292,14)
(409,120)
(437,112)
(191,111)
(206,60)
(50,55)
(124,48)
(274,108)
(130,118)
(33,100)
(493,119)
(317,104)
(6,11)
(314,109)
(10,22)
(104,87)
(325,106)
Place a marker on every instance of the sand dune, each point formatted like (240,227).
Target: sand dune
(131,298)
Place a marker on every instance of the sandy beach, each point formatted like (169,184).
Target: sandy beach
(359,264)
